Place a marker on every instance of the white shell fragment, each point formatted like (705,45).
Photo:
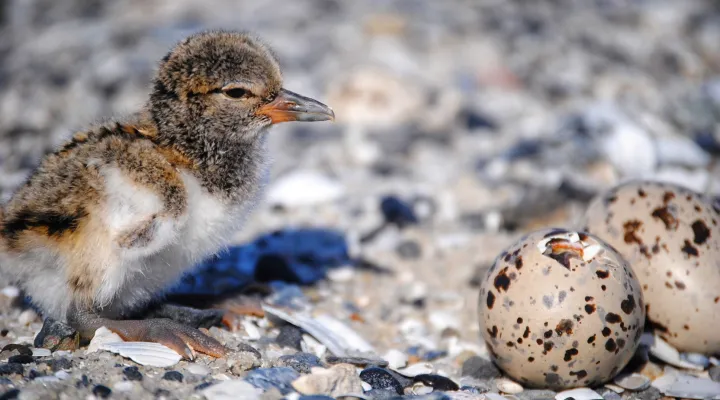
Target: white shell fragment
(416,369)
(686,386)
(578,394)
(634,382)
(143,353)
(41,352)
(338,337)
(396,359)
(233,389)
(291,190)
(663,351)
(507,386)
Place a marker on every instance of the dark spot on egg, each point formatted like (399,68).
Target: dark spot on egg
(519,320)
(591,339)
(679,285)
(547,346)
(610,345)
(554,368)
(606,331)
(580,374)
(569,353)
(510,344)
(612,318)
(701,231)
(589,308)
(539,341)
(665,214)
(526,334)
(589,298)
(603,287)
(561,296)
(602,274)
(630,229)
(628,305)
(531,359)
(611,199)
(641,193)
(689,249)
(518,262)
(547,334)
(621,343)
(493,333)
(564,326)
(490,300)
(552,378)
(668,196)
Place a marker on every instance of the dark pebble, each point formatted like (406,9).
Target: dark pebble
(290,336)
(34,374)
(409,250)
(358,361)
(479,368)
(434,355)
(204,385)
(20,348)
(474,120)
(132,374)
(60,364)
(162,393)
(715,373)
(300,362)
(397,212)
(536,394)
(315,397)
(21,359)
(101,391)
(244,347)
(268,378)
(381,394)
(173,376)
(82,382)
(11,368)
(379,378)
(56,335)
(437,382)
(10,394)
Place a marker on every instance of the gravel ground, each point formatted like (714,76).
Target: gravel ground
(480,120)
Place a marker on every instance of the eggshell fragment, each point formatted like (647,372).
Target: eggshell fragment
(671,238)
(561,309)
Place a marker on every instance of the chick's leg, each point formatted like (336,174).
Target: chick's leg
(183,339)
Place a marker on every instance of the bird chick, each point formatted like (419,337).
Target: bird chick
(124,208)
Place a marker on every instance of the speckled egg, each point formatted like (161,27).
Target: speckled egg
(670,237)
(561,309)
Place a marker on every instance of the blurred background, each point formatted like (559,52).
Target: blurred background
(473,120)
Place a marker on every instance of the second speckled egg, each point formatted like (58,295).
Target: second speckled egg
(561,309)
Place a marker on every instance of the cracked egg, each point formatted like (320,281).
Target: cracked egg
(561,309)
(670,237)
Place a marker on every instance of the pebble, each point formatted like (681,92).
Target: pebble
(27,317)
(62,375)
(267,378)
(300,362)
(101,391)
(396,359)
(409,250)
(381,394)
(60,363)
(173,376)
(650,393)
(480,368)
(379,378)
(41,352)
(419,388)
(132,373)
(635,382)
(714,373)
(231,390)
(10,394)
(289,336)
(341,379)
(507,386)
(198,369)
(397,212)
(291,190)
(536,394)
(416,369)
(610,395)
(124,386)
(19,348)
(437,382)
(578,394)
(243,361)
(359,361)
(11,368)
(696,358)
(21,359)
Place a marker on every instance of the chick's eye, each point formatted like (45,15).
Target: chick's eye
(236,93)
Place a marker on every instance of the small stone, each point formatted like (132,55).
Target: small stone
(10,394)
(507,386)
(204,385)
(396,359)
(650,393)
(58,364)
(162,393)
(610,395)
(397,212)
(123,386)
(381,394)
(243,361)
(41,352)
(300,362)
(536,394)
(339,380)
(409,250)
(416,369)
(27,317)
(198,369)
(635,382)
(267,378)
(56,335)
(437,382)
(290,336)
(315,397)
(21,359)
(232,389)
(173,376)
(11,368)
(715,373)
(480,368)
(359,361)
(19,348)
(132,373)
(101,391)
(420,389)
(379,378)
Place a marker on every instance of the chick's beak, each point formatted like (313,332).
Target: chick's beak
(289,106)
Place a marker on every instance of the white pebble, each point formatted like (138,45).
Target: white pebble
(396,359)
(28,316)
(291,190)
(635,382)
(342,274)
(124,386)
(578,394)
(253,333)
(416,369)
(198,369)
(62,375)
(41,352)
(10,292)
(507,386)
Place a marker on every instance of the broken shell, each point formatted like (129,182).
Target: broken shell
(507,386)
(578,394)
(635,382)
(686,386)
(145,353)
(665,352)
(414,370)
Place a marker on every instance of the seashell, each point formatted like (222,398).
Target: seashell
(36,352)
(144,353)
(102,336)
(614,388)
(420,389)
(414,370)
(507,386)
(396,359)
(578,394)
(665,352)
(690,387)
(336,336)
(232,389)
(635,382)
